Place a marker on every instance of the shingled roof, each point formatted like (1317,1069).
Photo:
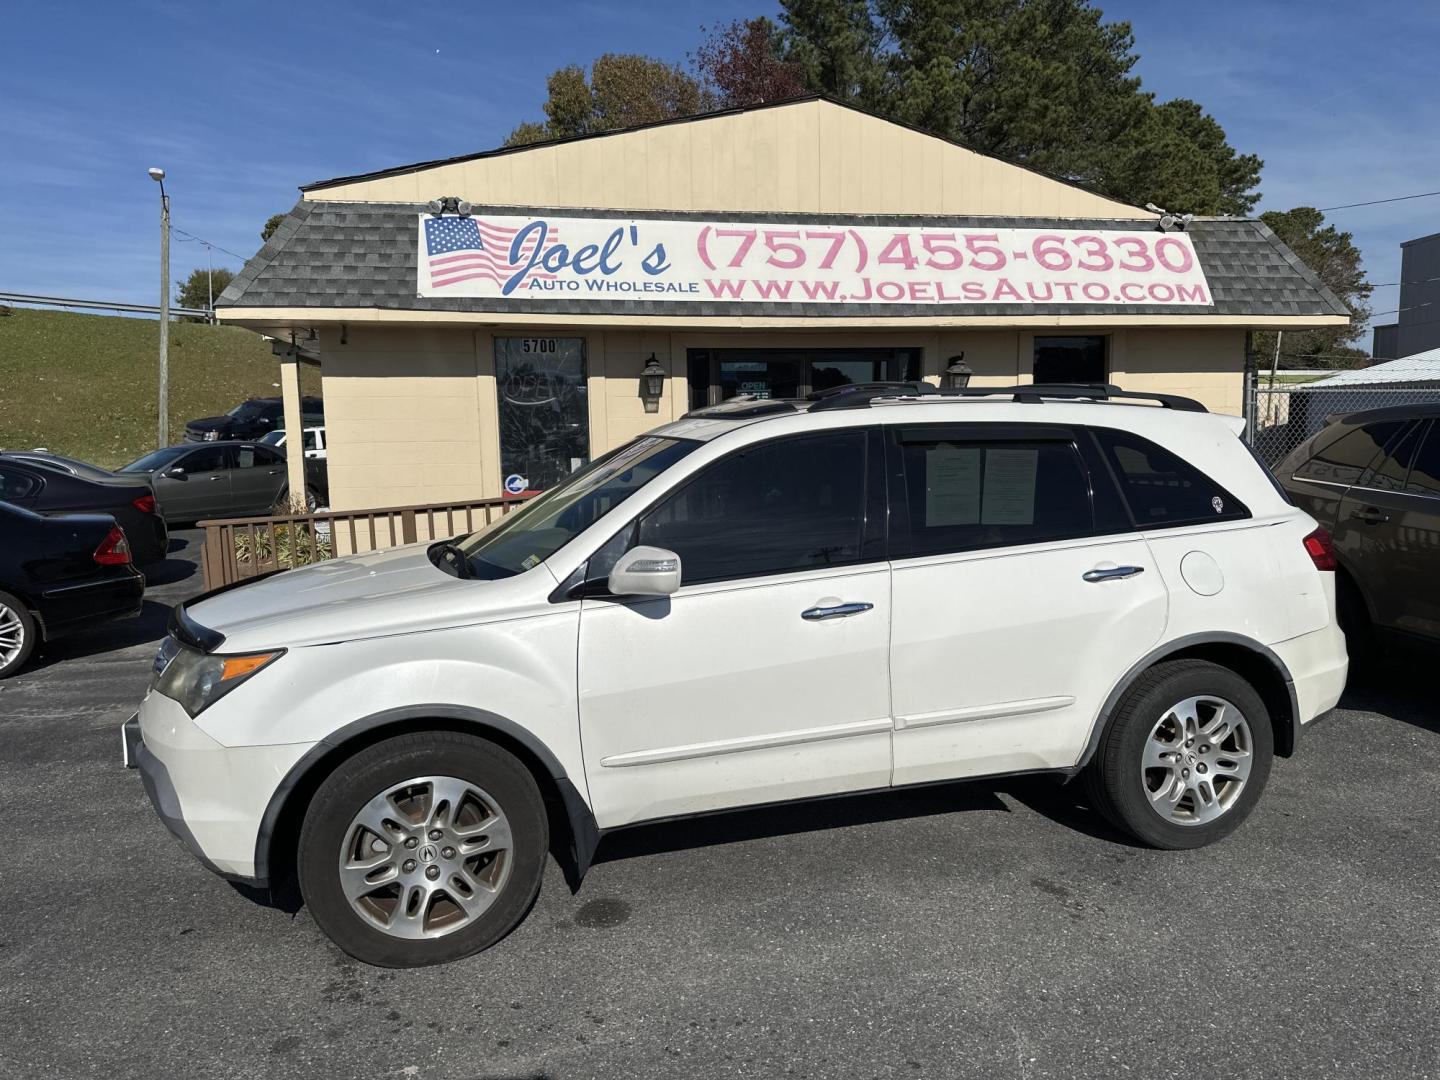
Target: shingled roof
(363,255)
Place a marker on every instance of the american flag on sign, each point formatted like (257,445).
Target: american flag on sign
(465,248)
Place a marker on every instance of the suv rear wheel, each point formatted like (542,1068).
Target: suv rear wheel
(1185,757)
(423,849)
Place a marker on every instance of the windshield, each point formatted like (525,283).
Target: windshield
(528,537)
(246,410)
(156,459)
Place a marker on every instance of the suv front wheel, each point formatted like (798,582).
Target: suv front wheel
(423,849)
(1185,757)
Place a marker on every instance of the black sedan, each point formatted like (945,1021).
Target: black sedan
(59,574)
(251,419)
(46,487)
(222,480)
(1373,479)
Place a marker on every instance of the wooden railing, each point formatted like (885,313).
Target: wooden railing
(240,548)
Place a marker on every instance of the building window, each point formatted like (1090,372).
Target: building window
(544,410)
(1070,359)
(717,375)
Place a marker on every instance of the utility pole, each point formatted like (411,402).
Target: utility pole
(210,281)
(163,428)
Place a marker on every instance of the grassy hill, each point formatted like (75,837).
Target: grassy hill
(85,385)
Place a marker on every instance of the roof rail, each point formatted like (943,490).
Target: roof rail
(1029,393)
(1036,392)
(743,407)
(918,386)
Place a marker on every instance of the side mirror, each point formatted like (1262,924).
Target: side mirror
(177,472)
(646,571)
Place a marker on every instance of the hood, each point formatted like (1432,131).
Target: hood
(212,423)
(397,591)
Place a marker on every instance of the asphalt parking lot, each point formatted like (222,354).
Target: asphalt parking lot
(988,930)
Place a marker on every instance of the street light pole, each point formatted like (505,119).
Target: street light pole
(163,428)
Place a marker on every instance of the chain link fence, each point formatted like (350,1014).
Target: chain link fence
(1282,417)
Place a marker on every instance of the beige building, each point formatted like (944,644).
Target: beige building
(497,340)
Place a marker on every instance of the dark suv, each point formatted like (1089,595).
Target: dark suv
(1373,480)
(252,419)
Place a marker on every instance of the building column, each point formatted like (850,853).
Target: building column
(294,424)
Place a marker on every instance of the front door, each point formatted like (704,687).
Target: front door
(1387,533)
(765,677)
(203,490)
(1012,617)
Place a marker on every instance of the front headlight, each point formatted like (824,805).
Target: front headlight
(197,680)
(211,435)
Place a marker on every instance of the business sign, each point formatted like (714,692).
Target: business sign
(552,258)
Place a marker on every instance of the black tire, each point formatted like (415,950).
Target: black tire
(1355,623)
(1115,783)
(29,633)
(312,499)
(375,770)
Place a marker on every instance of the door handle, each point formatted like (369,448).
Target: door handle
(1371,515)
(217,478)
(838,611)
(1112,573)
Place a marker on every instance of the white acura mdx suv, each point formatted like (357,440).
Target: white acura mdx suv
(762,602)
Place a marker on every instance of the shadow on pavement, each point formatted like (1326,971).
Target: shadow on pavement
(169,571)
(149,625)
(818,815)
(1401,687)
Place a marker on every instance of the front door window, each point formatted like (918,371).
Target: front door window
(544,411)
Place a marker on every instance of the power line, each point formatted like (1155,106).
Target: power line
(1377,202)
(207,243)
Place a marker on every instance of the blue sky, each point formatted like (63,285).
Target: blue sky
(241,103)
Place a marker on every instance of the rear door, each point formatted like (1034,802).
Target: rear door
(1341,456)
(257,479)
(1019,597)
(1388,533)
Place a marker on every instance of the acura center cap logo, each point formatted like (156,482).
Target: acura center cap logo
(427,853)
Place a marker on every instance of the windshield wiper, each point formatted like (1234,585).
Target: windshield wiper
(450,557)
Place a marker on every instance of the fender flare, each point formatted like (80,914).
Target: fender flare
(1169,648)
(584,832)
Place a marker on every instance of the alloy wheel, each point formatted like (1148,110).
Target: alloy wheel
(426,857)
(1196,760)
(12,635)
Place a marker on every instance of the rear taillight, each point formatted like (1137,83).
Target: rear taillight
(114,550)
(1320,549)
(145,504)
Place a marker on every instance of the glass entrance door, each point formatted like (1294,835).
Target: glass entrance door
(718,375)
(544,411)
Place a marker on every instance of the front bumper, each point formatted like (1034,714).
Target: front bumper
(212,797)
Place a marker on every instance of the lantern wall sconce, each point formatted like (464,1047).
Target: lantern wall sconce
(652,384)
(957,374)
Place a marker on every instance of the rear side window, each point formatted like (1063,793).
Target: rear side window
(1344,459)
(1389,471)
(1159,488)
(793,504)
(964,495)
(1425,473)
(15,484)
